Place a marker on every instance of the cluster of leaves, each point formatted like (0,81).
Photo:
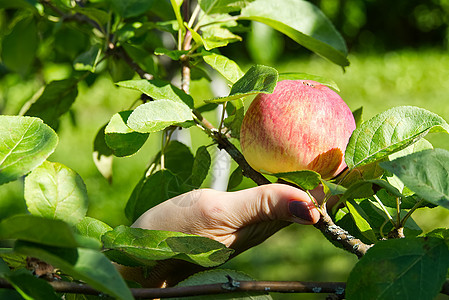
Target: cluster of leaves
(392,170)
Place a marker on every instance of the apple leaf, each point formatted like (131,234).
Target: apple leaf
(426,173)
(56,99)
(410,268)
(233,122)
(157,115)
(26,143)
(173,54)
(149,245)
(258,79)
(87,61)
(158,90)
(222,6)
(92,227)
(103,155)
(88,265)
(54,191)
(307,180)
(43,231)
(361,220)
(225,66)
(303,22)
(304,76)
(131,8)
(201,166)
(235,179)
(120,138)
(390,131)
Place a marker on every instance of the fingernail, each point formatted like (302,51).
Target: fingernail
(300,209)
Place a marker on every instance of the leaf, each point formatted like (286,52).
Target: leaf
(90,266)
(20,45)
(304,76)
(361,220)
(225,66)
(157,115)
(56,99)
(303,22)
(426,173)
(87,61)
(29,286)
(358,116)
(150,245)
(56,192)
(400,269)
(389,132)
(173,54)
(151,191)
(131,8)
(307,180)
(234,121)
(102,155)
(122,140)
(222,6)
(92,227)
(25,143)
(43,231)
(235,179)
(258,79)
(179,160)
(158,90)
(216,36)
(221,276)
(98,15)
(201,166)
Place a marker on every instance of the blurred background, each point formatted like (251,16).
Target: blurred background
(398,56)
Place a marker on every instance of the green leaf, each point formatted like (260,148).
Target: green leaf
(304,76)
(98,15)
(20,45)
(102,155)
(389,132)
(426,173)
(150,245)
(25,144)
(176,4)
(222,6)
(307,180)
(25,4)
(87,61)
(358,116)
(157,115)
(56,192)
(29,286)
(56,99)
(201,166)
(258,79)
(234,121)
(361,220)
(225,66)
(235,179)
(90,266)
(43,231)
(158,90)
(173,54)
(92,227)
(131,8)
(179,160)
(221,276)
(303,22)
(151,191)
(217,36)
(400,269)
(120,138)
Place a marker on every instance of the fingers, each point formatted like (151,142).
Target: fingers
(273,202)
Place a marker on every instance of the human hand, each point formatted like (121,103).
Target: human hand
(240,220)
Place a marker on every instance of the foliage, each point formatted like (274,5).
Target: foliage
(392,171)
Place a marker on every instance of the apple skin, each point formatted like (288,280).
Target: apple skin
(302,125)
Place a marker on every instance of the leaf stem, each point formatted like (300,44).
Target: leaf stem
(412,210)
(384,209)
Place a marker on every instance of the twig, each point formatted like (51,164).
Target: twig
(121,53)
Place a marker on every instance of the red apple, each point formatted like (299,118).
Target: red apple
(302,125)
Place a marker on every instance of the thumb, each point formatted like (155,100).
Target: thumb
(273,202)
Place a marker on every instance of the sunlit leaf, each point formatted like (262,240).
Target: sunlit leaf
(92,227)
(389,132)
(258,79)
(307,180)
(55,191)
(25,143)
(303,22)
(150,245)
(222,6)
(361,220)
(225,66)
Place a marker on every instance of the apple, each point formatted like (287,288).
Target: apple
(302,125)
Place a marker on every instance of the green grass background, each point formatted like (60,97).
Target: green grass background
(376,82)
